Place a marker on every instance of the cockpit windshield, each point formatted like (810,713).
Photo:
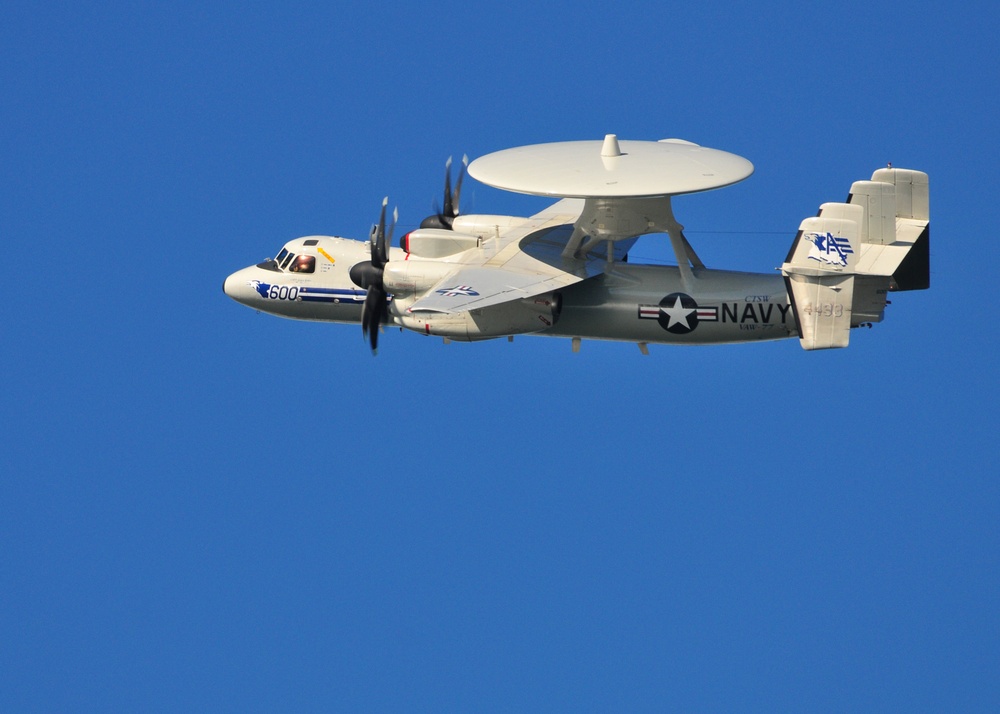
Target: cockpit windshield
(286,260)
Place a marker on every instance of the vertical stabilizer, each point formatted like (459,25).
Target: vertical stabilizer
(912,192)
(822,305)
(819,275)
(878,203)
(895,233)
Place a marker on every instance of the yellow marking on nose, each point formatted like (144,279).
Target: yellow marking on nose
(326,255)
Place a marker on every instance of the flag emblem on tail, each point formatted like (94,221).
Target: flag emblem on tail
(829,249)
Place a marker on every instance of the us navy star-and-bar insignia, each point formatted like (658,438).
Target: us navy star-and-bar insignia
(458,290)
(678,313)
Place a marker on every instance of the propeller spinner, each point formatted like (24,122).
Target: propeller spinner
(370,276)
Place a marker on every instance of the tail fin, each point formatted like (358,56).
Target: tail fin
(819,275)
(843,262)
(897,203)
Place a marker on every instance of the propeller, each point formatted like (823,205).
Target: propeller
(370,276)
(444,217)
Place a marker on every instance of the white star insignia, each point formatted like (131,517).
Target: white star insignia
(678,314)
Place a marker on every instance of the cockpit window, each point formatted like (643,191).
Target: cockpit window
(303,264)
(286,260)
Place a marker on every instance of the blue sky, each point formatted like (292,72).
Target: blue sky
(206,509)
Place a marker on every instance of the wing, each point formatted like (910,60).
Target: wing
(476,288)
(528,262)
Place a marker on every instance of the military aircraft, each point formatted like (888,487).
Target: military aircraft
(564,272)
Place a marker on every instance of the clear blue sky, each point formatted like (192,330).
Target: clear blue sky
(204,509)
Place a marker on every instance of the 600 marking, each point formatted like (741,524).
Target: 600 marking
(283,292)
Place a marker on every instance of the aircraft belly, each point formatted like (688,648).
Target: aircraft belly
(324,312)
(652,304)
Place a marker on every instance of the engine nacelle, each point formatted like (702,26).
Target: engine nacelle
(437,242)
(486,226)
(412,276)
(535,314)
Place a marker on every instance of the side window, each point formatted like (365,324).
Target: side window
(281,256)
(284,263)
(303,264)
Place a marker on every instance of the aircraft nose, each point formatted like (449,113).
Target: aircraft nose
(236,286)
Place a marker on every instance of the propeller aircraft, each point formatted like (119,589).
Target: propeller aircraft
(564,272)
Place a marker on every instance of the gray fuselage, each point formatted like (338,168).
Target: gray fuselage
(629,302)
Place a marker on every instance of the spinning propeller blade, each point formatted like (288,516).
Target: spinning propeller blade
(370,275)
(445,217)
